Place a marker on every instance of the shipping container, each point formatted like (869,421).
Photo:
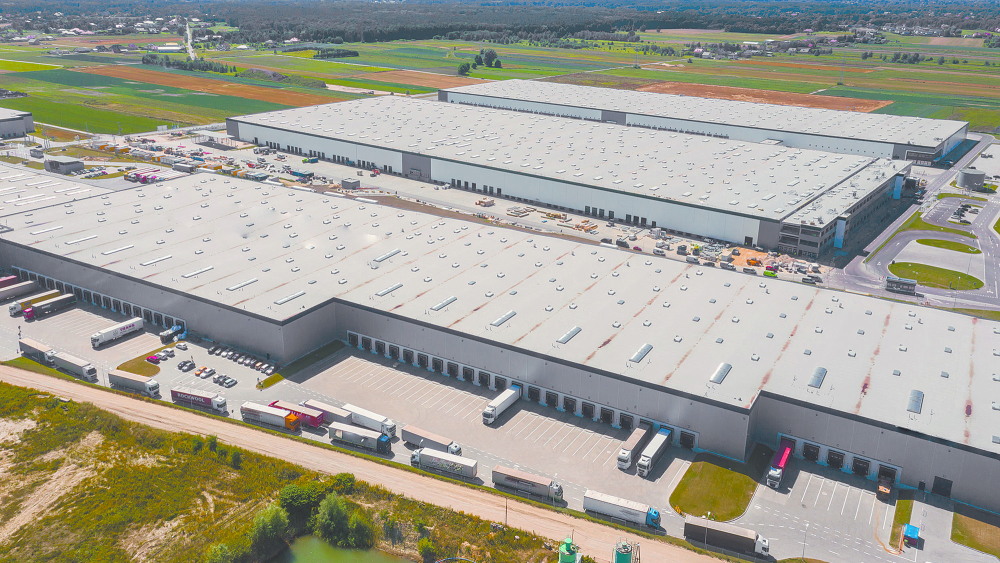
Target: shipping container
(726,536)
(8,281)
(501,403)
(653,452)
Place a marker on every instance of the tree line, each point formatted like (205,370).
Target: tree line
(200,65)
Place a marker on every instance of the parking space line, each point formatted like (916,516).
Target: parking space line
(461,402)
(410,384)
(445,392)
(591,435)
(421,396)
(873,510)
(861,497)
(531,425)
(833,494)
(803,499)
(524,417)
(539,427)
(610,447)
(556,433)
(592,449)
(573,441)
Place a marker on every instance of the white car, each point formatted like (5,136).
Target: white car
(169,352)
(181,346)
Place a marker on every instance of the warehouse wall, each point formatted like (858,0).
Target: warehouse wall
(331,147)
(921,458)
(525,106)
(251,333)
(721,429)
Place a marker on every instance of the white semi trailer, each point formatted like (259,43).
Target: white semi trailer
(115,332)
(371,421)
(133,382)
(501,403)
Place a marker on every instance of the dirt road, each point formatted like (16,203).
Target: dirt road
(594,539)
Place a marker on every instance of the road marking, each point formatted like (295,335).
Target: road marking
(858,510)
(803,499)
(821,484)
(872,512)
(833,494)
(849,489)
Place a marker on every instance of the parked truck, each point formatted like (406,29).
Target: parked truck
(633,445)
(133,382)
(167,336)
(653,451)
(726,536)
(270,416)
(194,397)
(501,403)
(74,366)
(50,306)
(426,439)
(620,509)
(370,440)
(444,462)
(17,289)
(524,482)
(371,421)
(330,412)
(311,417)
(778,463)
(7,281)
(41,353)
(17,307)
(115,332)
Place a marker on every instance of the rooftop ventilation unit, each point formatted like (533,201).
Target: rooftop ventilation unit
(916,402)
(569,335)
(388,290)
(444,303)
(641,353)
(720,373)
(816,381)
(508,316)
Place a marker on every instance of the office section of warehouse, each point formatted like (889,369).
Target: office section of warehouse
(866,134)
(723,359)
(799,201)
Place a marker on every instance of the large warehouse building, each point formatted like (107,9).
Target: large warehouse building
(866,134)
(723,359)
(798,201)
(14,124)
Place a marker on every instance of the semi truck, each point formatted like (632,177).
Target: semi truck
(633,445)
(35,350)
(521,481)
(370,440)
(50,306)
(133,382)
(620,509)
(17,289)
(307,415)
(197,398)
(726,536)
(115,332)
(501,403)
(778,463)
(167,336)
(426,439)
(74,366)
(269,416)
(652,452)
(330,412)
(371,421)
(444,462)
(17,307)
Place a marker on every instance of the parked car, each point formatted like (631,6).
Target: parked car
(153,360)
(770,274)
(230,382)
(181,346)
(213,349)
(200,371)
(169,352)
(218,377)
(270,370)
(636,248)
(161,355)
(209,372)
(750,271)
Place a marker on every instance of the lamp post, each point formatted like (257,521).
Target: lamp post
(804,538)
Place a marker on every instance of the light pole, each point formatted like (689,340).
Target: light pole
(804,537)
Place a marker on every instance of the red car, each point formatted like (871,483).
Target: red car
(636,248)
(153,360)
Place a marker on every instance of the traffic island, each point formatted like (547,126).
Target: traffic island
(932,276)
(976,529)
(718,488)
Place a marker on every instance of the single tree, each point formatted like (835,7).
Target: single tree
(489,55)
(463,69)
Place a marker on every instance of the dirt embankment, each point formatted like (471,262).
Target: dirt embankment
(594,539)
(765,96)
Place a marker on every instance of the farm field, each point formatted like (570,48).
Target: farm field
(766,96)
(283,96)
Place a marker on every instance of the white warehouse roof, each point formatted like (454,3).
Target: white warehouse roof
(279,253)
(750,179)
(884,128)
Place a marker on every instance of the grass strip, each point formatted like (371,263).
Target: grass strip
(949,245)
(976,529)
(963,196)
(718,488)
(271,380)
(904,508)
(307,360)
(140,366)
(932,276)
(916,223)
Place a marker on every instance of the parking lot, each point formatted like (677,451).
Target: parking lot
(576,452)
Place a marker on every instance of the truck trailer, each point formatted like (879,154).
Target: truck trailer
(370,440)
(270,416)
(371,421)
(778,463)
(41,353)
(133,382)
(7,281)
(307,415)
(633,445)
(74,366)
(330,412)
(197,398)
(17,289)
(726,536)
(653,452)
(167,336)
(501,403)
(621,509)
(524,482)
(444,462)
(17,307)
(426,439)
(115,332)
(49,306)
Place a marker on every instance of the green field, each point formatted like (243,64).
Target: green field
(904,511)
(932,276)
(21,66)
(976,529)
(949,245)
(719,489)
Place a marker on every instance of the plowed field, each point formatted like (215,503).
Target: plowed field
(765,96)
(275,95)
(426,79)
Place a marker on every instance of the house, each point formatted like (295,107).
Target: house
(63,164)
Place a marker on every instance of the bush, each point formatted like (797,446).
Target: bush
(332,520)
(463,69)
(496,64)
(213,443)
(361,531)
(427,549)
(236,460)
(343,483)
(219,553)
(270,526)
(299,503)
